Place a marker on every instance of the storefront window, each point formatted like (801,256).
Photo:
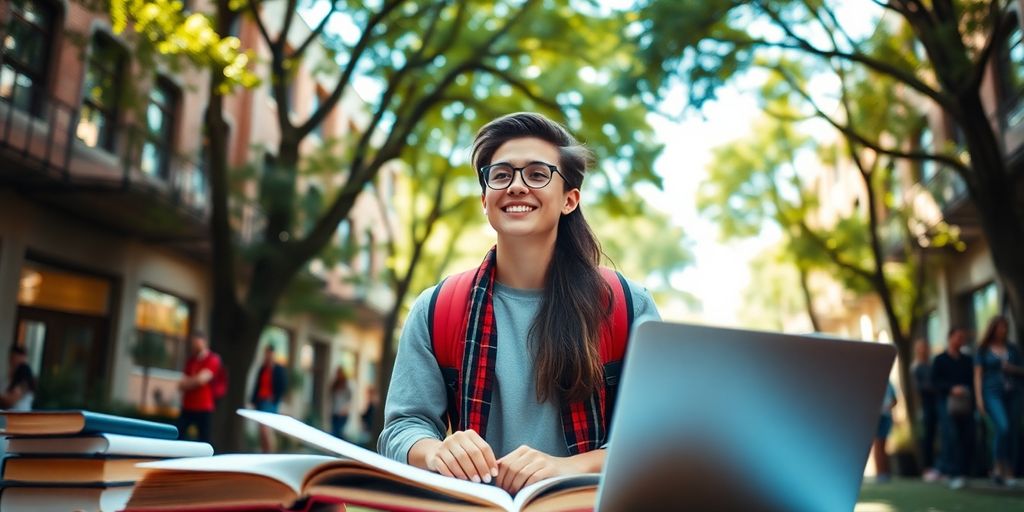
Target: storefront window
(162,319)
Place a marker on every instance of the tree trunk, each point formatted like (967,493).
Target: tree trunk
(993,190)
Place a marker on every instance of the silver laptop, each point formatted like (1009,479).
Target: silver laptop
(722,419)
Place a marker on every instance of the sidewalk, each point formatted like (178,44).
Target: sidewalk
(903,495)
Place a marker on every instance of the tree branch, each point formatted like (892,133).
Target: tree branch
(1001,26)
(346,76)
(289,16)
(317,31)
(874,64)
(251,4)
(852,134)
(521,86)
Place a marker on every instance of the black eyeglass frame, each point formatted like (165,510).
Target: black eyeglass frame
(485,170)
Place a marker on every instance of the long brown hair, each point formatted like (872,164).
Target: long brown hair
(990,331)
(340,379)
(566,331)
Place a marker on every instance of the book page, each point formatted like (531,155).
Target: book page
(289,469)
(537,490)
(325,441)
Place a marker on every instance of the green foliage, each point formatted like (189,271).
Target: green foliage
(166,30)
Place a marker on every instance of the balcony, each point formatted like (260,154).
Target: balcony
(45,158)
(950,194)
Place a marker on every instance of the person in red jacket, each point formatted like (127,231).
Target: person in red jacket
(269,388)
(198,401)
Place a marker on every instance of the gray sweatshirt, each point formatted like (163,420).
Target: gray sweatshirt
(416,401)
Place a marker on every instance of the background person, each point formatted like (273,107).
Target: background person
(997,375)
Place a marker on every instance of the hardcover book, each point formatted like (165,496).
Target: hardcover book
(359,477)
(44,423)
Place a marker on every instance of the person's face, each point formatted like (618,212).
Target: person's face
(522,211)
(268,356)
(198,344)
(921,350)
(957,339)
(1001,330)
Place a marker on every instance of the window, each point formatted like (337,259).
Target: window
(98,119)
(159,131)
(1012,74)
(25,54)
(346,241)
(926,142)
(984,306)
(163,320)
(933,332)
(366,254)
(318,130)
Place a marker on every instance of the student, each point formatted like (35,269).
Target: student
(267,392)
(951,376)
(535,320)
(21,390)
(997,374)
(197,387)
(341,402)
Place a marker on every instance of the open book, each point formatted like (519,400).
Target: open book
(361,478)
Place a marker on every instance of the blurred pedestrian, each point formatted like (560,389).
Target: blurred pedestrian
(271,382)
(341,402)
(198,398)
(952,376)
(21,388)
(997,375)
(882,471)
(928,417)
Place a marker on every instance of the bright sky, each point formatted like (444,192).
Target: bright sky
(720,273)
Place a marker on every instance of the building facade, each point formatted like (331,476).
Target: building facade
(104,216)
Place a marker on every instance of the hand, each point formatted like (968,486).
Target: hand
(464,455)
(524,466)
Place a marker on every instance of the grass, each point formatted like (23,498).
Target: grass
(917,496)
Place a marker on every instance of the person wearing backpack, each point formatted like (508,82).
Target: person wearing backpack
(201,387)
(507,373)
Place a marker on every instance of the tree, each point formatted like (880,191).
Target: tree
(707,44)
(425,57)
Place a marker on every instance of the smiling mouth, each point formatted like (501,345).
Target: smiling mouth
(518,209)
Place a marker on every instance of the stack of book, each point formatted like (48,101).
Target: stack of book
(81,460)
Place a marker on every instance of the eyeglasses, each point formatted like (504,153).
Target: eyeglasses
(500,176)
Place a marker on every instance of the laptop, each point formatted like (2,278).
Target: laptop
(722,419)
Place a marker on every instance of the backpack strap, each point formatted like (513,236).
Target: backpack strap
(614,338)
(446,317)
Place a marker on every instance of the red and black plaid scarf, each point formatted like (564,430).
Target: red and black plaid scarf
(584,423)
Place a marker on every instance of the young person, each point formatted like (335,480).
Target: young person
(951,376)
(22,387)
(198,399)
(998,369)
(530,401)
(341,402)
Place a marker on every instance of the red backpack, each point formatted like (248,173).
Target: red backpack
(447,317)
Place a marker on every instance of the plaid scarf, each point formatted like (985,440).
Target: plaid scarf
(584,423)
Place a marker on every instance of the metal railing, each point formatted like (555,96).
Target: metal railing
(48,143)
